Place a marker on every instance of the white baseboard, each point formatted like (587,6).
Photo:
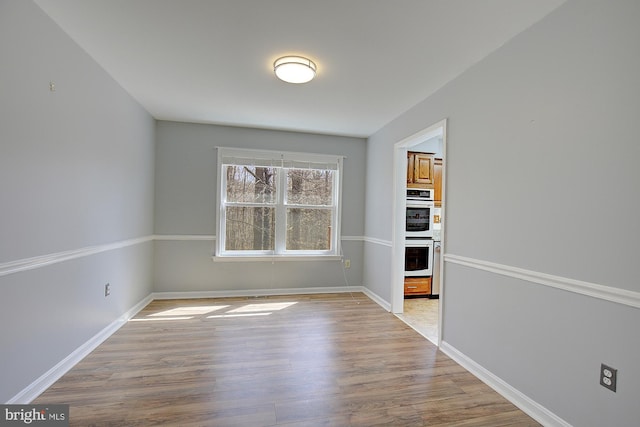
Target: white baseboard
(256,292)
(36,388)
(526,404)
(376,298)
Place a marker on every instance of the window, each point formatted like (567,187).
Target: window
(278,204)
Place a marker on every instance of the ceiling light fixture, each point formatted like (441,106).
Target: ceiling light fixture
(294,69)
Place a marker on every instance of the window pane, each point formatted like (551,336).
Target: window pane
(251,184)
(308,229)
(310,187)
(249,228)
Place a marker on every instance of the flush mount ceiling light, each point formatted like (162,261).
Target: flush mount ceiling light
(294,69)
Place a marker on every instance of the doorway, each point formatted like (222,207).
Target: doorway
(412,143)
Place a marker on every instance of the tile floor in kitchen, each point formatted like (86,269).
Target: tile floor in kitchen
(422,315)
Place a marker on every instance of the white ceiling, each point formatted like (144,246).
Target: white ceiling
(212,61)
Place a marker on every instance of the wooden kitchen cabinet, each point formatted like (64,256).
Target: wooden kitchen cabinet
(437,182)
(420,171)
(417,286)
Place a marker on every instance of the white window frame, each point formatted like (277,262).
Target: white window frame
(282,161)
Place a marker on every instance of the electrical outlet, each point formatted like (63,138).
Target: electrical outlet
(347,263)
(107,290)
(608,377)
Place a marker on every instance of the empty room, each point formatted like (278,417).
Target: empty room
(224,213)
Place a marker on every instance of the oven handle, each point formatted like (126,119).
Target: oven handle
(420,203)
(418,243)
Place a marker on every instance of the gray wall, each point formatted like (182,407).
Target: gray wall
(185,191)
(76,171)
(433,145)
(542,175)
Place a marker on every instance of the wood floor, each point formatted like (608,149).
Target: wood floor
(302,360)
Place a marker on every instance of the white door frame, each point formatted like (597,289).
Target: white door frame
(400,149)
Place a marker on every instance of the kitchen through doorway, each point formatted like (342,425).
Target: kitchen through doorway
(421,310)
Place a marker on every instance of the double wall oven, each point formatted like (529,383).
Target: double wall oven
(419,232)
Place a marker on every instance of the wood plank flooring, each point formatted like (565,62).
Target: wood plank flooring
(300,360)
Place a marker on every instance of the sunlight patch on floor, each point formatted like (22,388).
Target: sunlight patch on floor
(189,310)
(268,306)
(156,319)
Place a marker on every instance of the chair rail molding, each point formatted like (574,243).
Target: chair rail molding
(184,237)
(25,264)
(377,241)
(607,293)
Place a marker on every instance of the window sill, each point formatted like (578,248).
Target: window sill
(274,258)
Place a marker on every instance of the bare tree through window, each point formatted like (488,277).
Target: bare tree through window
(251,215)
(309,212)
(308,206)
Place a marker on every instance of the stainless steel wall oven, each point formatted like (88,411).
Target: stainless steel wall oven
(419,214)
(418,257)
